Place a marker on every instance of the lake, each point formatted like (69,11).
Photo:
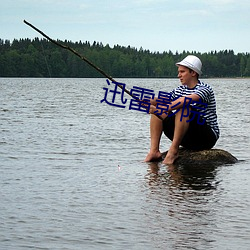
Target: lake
(72,173)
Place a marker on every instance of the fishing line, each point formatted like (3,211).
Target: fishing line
(45,58)
(77,54)
(87,61)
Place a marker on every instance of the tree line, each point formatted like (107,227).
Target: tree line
(41,58)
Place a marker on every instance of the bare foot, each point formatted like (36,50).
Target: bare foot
(170,157)
(153,156)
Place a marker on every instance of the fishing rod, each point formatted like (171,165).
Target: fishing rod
(77,54)
(84,59)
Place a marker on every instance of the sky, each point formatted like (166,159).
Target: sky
(155,25)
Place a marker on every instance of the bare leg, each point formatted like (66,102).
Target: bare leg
(155,137)
(180,130)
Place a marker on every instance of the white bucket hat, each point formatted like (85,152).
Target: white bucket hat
(191,62)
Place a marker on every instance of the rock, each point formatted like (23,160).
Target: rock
(213,157)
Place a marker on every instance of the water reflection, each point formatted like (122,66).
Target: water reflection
(183,177)
(183,197)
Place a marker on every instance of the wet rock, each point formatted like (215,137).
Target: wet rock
(213,157)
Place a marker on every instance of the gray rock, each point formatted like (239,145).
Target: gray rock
(213,157)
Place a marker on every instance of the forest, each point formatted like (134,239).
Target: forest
(41,58)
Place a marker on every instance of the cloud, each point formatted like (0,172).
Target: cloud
(83,6)
(149,2)
(152,24)
(225,5)
(222,2)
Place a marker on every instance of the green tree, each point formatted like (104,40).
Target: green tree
(247,69)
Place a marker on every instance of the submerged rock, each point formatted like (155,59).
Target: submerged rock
(204,157)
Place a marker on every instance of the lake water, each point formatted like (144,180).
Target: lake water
(72,174)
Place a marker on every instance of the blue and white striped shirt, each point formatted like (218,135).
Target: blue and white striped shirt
(205,92)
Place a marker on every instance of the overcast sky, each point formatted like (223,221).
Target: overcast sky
(157,25)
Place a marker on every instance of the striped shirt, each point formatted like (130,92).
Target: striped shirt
(206,94)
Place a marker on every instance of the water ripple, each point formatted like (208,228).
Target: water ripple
(72,173)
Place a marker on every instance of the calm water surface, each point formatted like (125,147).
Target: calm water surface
(72,175)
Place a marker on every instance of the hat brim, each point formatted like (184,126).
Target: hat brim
(190,66)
